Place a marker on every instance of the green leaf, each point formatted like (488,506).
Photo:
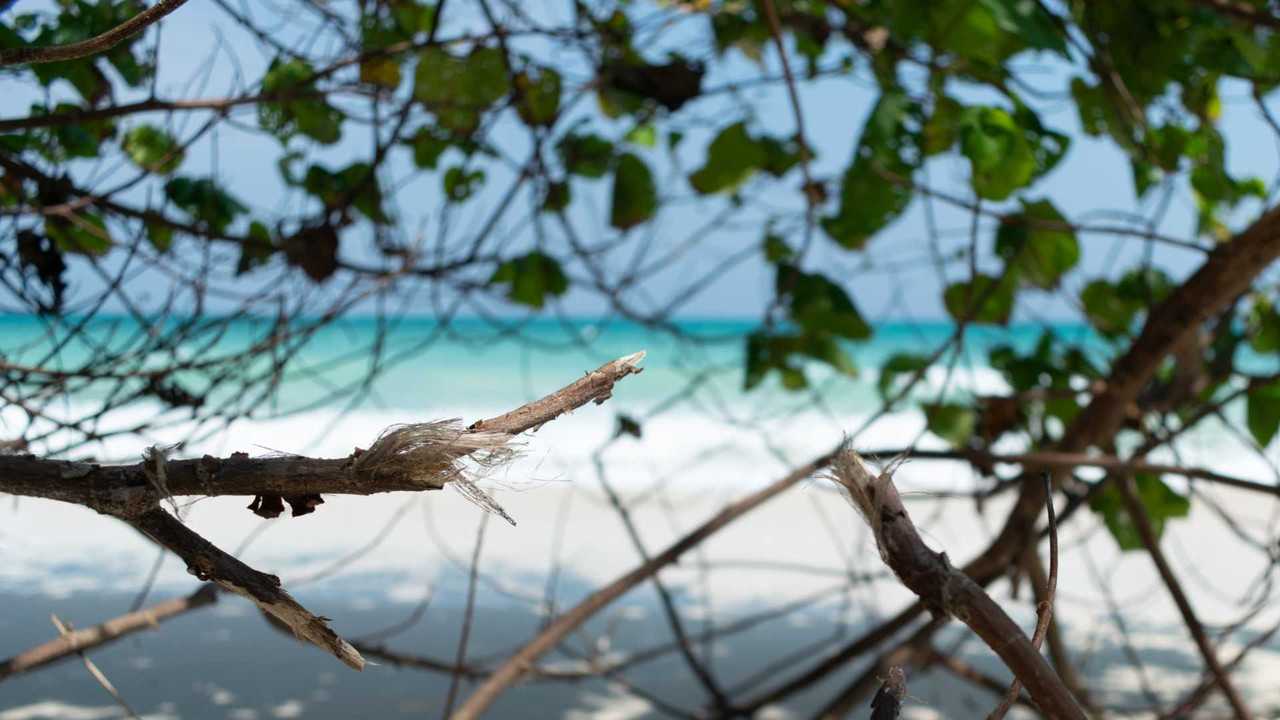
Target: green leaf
(82,232)
(1112,307)
(1029,23)
(953,423)
(1264,325)
(1038,244)
(531,278)
(457,89)
(1000,158)
(355,185)
(383,71)
(818,305)
(151,148)
(160,236)
(732,158)
(896,366)
(205,202)
(557,197)
(644,135)
(767,352)
(989,299)
(776,250)
(780,155)
(943,127)
(1159,500)
(586,155)
(539,97)
(257,248)
(1106,310)
(876,186)
(304,112)
(1263,413)
(428,145)
(635,199)
(460,184)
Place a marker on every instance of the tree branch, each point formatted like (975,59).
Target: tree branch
(516,666)
(1044,609)
(1048,459)
(207,562)
(1229,270)
(94,45)
(406,458)
(946,590)
(106,633)
(1142,523)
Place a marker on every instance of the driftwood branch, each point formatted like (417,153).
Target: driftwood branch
(947,591)
(94,45)
(406,458)
(421,456)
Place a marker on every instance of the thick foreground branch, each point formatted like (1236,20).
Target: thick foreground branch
(408,457)
(422,456)
(207,562)
(946,590)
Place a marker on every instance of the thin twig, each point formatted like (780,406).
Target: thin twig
(519,663)
(70,643)
(1142,523)
(65,630)
(1044,609)
(461,658)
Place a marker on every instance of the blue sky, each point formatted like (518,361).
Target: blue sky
(199,41)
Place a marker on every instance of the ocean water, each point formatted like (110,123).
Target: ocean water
(423,368)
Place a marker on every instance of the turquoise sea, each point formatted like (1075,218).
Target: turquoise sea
(423,363)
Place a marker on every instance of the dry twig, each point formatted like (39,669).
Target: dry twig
(944,589)
(1044,610)
(67,644)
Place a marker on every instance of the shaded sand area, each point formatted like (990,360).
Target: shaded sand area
(806,550)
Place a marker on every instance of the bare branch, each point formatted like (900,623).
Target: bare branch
(413,457)
(1142,523)
(207,562)
(100,677)
(1044,610)
(519,664)
(595,387)
(94,45)
(946,590)
(1067,460)
(410,457)
(76,641)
